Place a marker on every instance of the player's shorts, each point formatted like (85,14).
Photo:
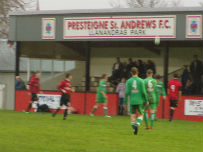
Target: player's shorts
(65,99)
(173,103)
(139,109)
(152,106)
(100,98)
(34,97)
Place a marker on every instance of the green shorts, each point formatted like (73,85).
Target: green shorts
(101,100)
(152,106)
(139,109)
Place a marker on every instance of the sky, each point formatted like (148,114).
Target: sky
(91,4)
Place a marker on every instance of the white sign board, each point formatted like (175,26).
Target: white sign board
(120,27)
(52,101)
(194,26)
(194,107)
(48,28)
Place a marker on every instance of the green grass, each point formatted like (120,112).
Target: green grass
(20,132)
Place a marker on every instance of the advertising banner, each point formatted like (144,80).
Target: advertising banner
(194,107)
(194,26)
(52,101)
(48,28)
(120,27)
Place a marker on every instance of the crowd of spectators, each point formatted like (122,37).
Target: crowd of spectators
(192,77)
(122,69)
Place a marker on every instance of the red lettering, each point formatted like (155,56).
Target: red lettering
(160,23)
(69,25)
(142,24)
(148,24)
(138,24)
(106,24)
(133,26)
(154,24)
(166,24)
(123,25)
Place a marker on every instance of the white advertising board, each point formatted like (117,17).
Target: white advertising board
(194,107)
(48,28)
(120,27)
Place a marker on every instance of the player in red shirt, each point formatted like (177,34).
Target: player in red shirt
(65,86)
(34,88)
(175,93)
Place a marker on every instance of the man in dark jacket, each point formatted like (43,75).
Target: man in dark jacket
(196,72)
(184,77)
(116,71)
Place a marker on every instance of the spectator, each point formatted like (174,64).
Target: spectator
(125,74)
(117,66)
(150,65)
(196,71)
(19,84)
(141,68)
(188,89)
(185,76)
(116,71)
(121,91)
(130,64)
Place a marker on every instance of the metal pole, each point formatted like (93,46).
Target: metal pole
(17,65)
(87,63)
(28,69)
(166,63)
(64,66)
(17,68)
(52,68)
(87,74)
(40,66)
(202,52)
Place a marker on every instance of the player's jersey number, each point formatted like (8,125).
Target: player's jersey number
(134,85)
(150,85)
(173,88)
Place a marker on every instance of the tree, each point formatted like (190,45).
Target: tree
(8,6)
(176,3)
(138,3)
(145,3)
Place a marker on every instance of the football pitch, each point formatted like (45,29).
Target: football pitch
(35,132)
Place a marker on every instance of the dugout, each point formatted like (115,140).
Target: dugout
(71,34)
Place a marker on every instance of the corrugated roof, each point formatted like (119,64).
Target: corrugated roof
(106,11)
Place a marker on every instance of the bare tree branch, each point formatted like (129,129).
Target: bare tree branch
(146,3)
(8,6)
(176,3)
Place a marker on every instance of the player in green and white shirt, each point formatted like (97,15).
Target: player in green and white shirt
(160,90)
(150,85)
(101,96)
(137,95)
